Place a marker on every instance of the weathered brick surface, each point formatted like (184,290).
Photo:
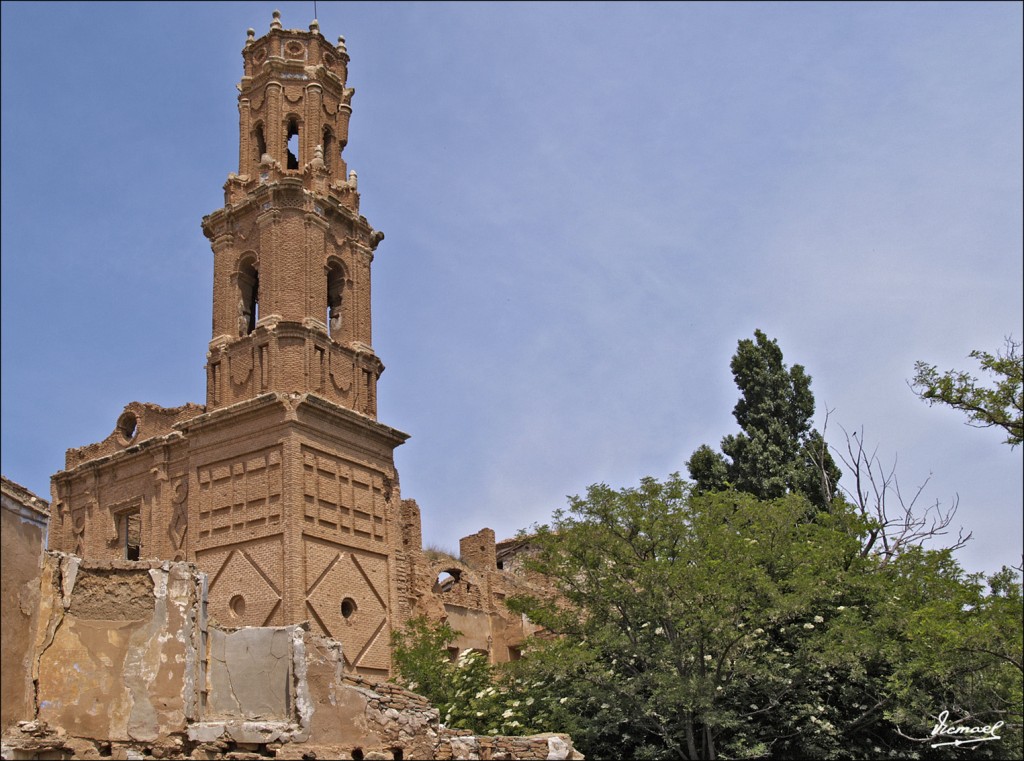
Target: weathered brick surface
(23,520)
(127,665)
(281,490)
(283,487)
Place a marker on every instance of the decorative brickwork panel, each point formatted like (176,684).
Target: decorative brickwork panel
(240,496)
(343,496)
(346,596)
(245,582)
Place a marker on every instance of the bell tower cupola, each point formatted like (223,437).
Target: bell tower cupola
(292,255)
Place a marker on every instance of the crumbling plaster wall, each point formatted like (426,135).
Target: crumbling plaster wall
(126,666)
(118,648)
(23,523)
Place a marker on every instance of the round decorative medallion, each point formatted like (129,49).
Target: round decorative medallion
(294,49)
(259,56)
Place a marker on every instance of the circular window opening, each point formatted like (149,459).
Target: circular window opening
(128,425)
(348,607)
(237,606)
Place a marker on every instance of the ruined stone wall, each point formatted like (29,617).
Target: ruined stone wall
(289,503)
(462,744)
(23,522)
(143,477)
(136,423)
(128,666)
(469,592)
(117,651)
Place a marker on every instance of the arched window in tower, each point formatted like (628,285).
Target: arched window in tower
(248,296)
(335,294)
(328,146)
(261,143)
(292,146)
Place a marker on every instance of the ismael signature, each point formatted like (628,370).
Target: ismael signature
(943,729)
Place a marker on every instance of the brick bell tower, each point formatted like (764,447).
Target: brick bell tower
(283,489)
(291,291)
(297,493)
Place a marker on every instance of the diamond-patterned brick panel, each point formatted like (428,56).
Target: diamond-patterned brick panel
(334,575)
(242,592)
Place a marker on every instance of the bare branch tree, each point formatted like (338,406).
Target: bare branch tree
(897,521)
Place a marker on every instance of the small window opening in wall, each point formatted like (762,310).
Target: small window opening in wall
(515,653)
(293,144)
(397,754)
(128,425)
(501,565)
(237,606)
(357,754)
(132,535)
(348,607)
(261,143)
(453,654)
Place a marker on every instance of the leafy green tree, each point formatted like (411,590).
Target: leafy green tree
(704,626)
(420,656)
(777,452)
(1001,405)
(468,691)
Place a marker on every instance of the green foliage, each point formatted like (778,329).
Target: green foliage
(697,626)
(777,452)
(468,692)
(420,657)
(1002,405)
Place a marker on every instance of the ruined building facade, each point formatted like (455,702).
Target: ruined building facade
(282,488)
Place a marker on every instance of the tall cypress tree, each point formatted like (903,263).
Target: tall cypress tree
(778,451)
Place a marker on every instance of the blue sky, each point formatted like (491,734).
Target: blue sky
(586,206)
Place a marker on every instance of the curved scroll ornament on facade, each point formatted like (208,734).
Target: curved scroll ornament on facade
(179,517)
(79,518)
(113,529)
(290,402)
(243,319)
(341,377)
(240,367)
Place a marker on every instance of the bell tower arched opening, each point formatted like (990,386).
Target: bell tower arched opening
(328,146)
(292,143)
(248,279)
(335,298)
(260,142)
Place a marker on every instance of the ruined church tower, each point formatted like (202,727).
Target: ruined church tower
(282,488)
(291,291)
